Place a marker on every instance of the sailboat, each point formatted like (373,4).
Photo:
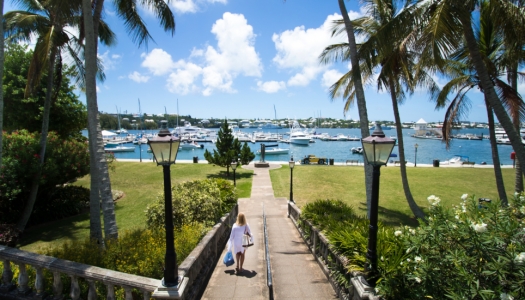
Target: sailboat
(119,130)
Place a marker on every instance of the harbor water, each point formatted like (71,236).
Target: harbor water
(428,150)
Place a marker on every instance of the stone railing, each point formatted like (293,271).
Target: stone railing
(330,261)
(195,269)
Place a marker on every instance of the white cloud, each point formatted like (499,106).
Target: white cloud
(137,77)
(330,77)
(192,6)
(158,62)
(298,50)
(271,86)
(109,61)
(216,66)
(182,81)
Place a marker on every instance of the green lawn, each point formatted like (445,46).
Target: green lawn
(141,184)
(347,183)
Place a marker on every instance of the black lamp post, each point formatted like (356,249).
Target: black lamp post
(377,149)
(291,163)
(415,155)
(165,148)
(140,150)
(234,167)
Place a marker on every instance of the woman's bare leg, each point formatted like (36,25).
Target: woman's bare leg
(242,258)
(238,255)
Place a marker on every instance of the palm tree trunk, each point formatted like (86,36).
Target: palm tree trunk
(495,156)
(490,93)
(95,226)
(1,81)
(518,174)
(416,210)
(103,185)
(28,209)
(360,95)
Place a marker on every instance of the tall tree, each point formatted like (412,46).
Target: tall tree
(359,94)
(1,79)
(48,20)
(396,64)
(228,148)
(447,23)
(127,10)
(464,78)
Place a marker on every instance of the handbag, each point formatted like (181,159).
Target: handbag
(247,239)
(228,259)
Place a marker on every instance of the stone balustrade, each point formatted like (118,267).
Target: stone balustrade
(330,261)
(195,270)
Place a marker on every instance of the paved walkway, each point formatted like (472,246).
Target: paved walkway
(296,274)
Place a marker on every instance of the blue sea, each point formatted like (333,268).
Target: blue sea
(427,151)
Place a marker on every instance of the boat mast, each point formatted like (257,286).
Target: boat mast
(118,118)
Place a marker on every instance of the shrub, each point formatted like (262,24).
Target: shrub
(202,201)
(467,252)
(65,161)
(63,201)
(139,252)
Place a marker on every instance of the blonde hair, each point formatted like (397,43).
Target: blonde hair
(241,219)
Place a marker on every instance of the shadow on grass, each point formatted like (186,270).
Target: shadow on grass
(222,175)
(391,217)
(67,228)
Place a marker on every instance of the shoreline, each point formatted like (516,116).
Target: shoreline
(410,165)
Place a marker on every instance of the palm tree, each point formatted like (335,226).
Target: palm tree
(359,94)
(397,64)
(49,21)
(464,78)
(100,182)
(447,23)
(1,80)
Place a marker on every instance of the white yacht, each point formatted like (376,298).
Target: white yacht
(298,136)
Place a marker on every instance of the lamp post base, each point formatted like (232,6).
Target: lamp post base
(172,292)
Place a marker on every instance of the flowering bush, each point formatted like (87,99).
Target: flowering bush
(469,251)
(65,161)
(202,201)
(466,252)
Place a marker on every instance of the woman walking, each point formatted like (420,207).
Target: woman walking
(240,228)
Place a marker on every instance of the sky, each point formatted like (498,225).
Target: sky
(241,59)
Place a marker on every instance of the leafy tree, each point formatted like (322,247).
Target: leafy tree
(66,160)
(246,155)
(69,115)
(1,81)
(228,148)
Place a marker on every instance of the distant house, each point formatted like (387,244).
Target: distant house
(149,121)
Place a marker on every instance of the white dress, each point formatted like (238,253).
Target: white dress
(236,238)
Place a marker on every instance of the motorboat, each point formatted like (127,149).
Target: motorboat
(457,160)
(341,137)
(273,151)
(298,136)
(119,148)
(357,150)
(190,146)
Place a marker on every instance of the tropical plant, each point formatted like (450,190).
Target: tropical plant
(1,81)
(48,20)
(464,78)
(446,24)
(397,66)
(100,183)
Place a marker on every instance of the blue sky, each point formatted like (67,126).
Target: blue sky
(239,59)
